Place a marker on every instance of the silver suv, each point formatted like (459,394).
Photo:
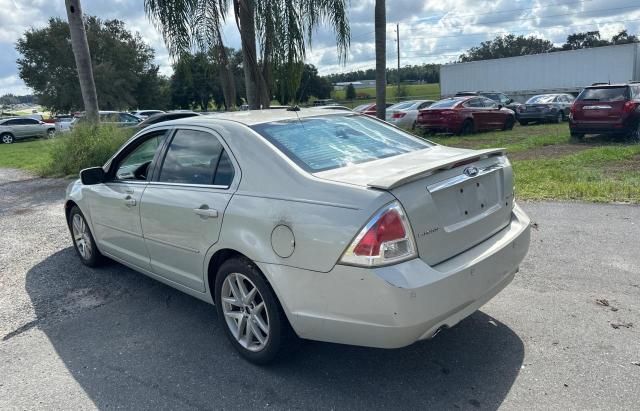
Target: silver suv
(12,129)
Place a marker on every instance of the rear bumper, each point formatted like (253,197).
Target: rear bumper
(599,128)
(394,306)
(439,127)
(541,116)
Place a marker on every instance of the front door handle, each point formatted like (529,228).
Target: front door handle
(205,212)
(129,202)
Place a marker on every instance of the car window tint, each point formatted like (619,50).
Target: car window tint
(425,105)
(127,118)
(450,102)
(141,156)
(328,142)
(489,103)
(192,158)
(224,171)
(605,94)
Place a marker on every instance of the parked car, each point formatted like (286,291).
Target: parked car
(158,118)
(607,109)
(325,102)
(12,129)
(496,96)
(545,108)
(368,109)
(118,118)
(330,226)
(465,115)
(63,123)
(405,114)
(143,114)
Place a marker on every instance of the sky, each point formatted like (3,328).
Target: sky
(431,31)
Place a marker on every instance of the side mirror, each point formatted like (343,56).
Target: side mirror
(92,176)
(509,101)
(499,106)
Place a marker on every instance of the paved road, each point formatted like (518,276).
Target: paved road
(75,338)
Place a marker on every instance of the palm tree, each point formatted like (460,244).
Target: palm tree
(82,55)
(380,20)
(282,28)
(188,23)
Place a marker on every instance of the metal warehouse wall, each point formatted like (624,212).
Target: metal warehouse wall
(560,71)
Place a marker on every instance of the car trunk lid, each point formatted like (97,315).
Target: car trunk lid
(454,198)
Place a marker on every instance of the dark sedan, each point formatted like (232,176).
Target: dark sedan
(553,108)
(465,115)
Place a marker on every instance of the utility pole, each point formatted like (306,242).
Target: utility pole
(398,45)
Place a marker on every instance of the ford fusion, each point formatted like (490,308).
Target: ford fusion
(318,224)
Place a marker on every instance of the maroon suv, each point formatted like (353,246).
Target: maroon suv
(607,109)
(465,115)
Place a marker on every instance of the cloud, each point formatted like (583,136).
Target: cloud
(431,31)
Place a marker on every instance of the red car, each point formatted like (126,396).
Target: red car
(465,115)
(607,109)
(368,109)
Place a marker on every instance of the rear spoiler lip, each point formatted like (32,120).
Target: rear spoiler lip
(406,176)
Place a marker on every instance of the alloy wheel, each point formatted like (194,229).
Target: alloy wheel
(51,133)
(245,312)
(7,139)
(82,237)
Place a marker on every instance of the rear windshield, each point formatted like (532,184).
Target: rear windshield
(544,99)
(328,142)
(403,105)
(450,102)
(362,107)
(605,94)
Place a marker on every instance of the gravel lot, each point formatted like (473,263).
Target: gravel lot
(75,338)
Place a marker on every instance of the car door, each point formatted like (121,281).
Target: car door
(19,127)
(115,204)
(33,128)
(183,207)
(481,113)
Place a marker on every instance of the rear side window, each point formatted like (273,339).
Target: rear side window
(328,142)
(196,157)
(605,94)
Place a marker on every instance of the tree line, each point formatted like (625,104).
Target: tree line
(512,46)
(126,76)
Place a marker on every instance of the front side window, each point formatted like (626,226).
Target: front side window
(196,157)
(135,165)
(334,141)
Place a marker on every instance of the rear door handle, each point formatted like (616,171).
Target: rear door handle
(206,212)
(129,202)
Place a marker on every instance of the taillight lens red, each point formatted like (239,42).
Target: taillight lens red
(448,112)
(630,106)
(398,115)
(387,238)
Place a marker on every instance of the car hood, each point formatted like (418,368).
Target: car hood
(388,173)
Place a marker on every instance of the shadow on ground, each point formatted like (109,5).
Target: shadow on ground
(132,342)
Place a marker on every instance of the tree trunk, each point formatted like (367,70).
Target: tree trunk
(226,77)
(82,55)
(381,58)
(246,25)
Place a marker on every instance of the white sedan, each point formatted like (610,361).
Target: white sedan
(319,224)
(405,113)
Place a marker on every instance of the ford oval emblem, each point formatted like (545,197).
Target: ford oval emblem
(471,171)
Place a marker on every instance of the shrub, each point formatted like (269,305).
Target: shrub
(85,146)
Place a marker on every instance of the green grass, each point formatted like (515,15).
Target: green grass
(414,91)
(29,155)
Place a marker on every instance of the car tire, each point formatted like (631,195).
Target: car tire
(467,128)
(83,241)
(559,117)
(524,122)
(7,138)
(256,326)
(51,133)
(634,135)
(509,123)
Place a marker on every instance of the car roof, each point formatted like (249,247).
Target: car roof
(607,85)
(252,117)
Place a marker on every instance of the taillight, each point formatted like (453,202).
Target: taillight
(398,115)
(448,112)
(630,106)
(387,238)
